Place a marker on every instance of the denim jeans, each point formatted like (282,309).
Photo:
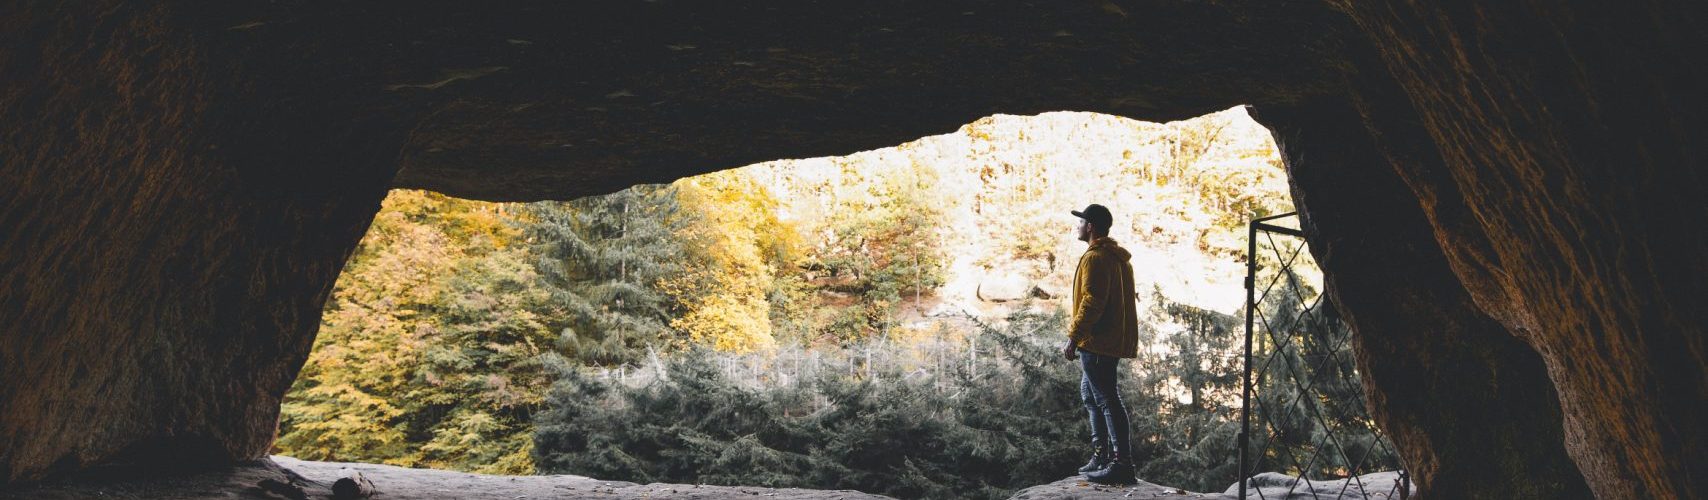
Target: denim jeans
(1097,389)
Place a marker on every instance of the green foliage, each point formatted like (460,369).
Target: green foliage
(738,328)
(1192,387)
(1299,349)
(603,259)
(977,431)
(878,243)
(1007,415)
(428,352)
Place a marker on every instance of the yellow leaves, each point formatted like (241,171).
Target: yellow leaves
(430,268)
(729,321)
(737,247)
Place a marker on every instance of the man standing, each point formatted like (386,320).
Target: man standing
(1105,328)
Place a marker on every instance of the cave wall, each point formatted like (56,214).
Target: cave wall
(1468,405)
(168,233)
(1554,156)
(183,182)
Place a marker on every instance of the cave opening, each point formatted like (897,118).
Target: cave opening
(459,329)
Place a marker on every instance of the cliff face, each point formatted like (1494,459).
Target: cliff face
(1502,197)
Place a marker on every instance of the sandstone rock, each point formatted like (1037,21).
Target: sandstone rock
(1270,485)
(353,485)
(1077,488)
(1505,196)
(1387,277)
(309,478)
(1003,288)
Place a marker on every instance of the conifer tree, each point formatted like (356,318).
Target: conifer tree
(603,259)
(1189,395)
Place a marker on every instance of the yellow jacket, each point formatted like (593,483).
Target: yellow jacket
(1105,317)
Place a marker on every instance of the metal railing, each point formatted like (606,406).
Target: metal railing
(1306,402)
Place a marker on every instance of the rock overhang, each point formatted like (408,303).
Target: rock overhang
(192,177)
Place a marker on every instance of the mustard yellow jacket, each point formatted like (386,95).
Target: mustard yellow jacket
(1105,317)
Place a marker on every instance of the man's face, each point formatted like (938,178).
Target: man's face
(1084,230)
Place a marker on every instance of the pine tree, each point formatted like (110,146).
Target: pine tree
(482,377)
(604,259)
(1189,396)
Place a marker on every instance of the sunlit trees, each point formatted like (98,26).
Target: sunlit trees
(428,353)
(877,241)
(483,372)
(734,252)
(454,317)
(346,403)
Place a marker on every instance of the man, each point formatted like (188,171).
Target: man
(1105,328)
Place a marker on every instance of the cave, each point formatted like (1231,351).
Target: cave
(1504,197)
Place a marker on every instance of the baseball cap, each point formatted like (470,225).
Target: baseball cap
(1096,214)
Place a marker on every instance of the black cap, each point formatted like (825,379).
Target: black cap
(1096,214)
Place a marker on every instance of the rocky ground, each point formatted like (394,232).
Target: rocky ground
(1077,488)
(1269,485)
(289,478)
(1266,486)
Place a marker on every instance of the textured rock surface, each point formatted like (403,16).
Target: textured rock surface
(1560,171)
(315,480)
(180,184)
(1487,413)
(1270,485)
(1076,488)
(169,227)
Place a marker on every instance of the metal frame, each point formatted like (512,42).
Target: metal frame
(1261,226)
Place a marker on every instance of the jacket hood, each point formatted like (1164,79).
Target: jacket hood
(1108,245)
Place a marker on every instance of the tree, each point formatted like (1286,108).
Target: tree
(1189,396)
(428,353)
(878,243)
(604,260)
(482,370)
(346,403)
(1010,423)
(736,251)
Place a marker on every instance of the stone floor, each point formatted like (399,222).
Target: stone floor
(315,479)
(288,477)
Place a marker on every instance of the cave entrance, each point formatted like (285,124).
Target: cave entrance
(739,327)
(1303,409)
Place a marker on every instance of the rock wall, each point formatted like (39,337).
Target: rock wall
(168,234)
(1468,405)
(1554,156)
(1502,195)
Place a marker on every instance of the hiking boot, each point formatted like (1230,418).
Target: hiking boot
(1118,472)
(1099,459)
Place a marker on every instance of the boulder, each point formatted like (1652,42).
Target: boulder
(1003,288)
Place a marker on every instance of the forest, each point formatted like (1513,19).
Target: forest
(885,321)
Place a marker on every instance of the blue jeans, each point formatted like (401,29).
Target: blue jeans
(1097,389)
